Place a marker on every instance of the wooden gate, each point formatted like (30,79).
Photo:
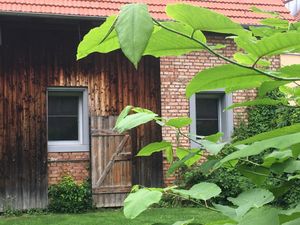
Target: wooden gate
(111,163)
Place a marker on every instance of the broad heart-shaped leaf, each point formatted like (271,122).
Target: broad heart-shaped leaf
(214,137)
(233,213)
(211,147)
(101,39)
(275,22)
(154,147)
(166,43)
(225,76)
(269,86)
(134,27)
(277,157)
(293,222)
(256,175)
(179,122)
(123,114)
(289,166)
(139,201)
(271,134)
(202,191)
(254,198)
(281,142)
(269,46)
(182,152)
(247,59)
(290,71)
(289,214)
(263,31)
(261,216)
(186,222)
(203,19)
(134,120)
(176,165)
(258,101)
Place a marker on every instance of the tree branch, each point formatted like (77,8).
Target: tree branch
(209,49)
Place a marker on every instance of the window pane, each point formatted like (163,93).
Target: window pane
(63,118)
(207,127)
(63,128)
(207,115)
(207,108)
(63,105)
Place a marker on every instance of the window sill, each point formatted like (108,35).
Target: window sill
(68,148)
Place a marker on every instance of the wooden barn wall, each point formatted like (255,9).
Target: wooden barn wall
(34,57)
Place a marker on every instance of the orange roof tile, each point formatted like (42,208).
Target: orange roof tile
(238,10)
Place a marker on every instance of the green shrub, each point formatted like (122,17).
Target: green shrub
(69,197)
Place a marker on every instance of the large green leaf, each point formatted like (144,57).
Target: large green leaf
(256,175)
(281,142)
(269,86)
(202,191)
(166,43)
(290,71)
(176,165)
(182,152)
(261,216)
(225,76)
(262,31)
(123,114)
(271,134)
(154,147)
(258,101)
(277,157)
(134,27)
(247,59)
(269,46)
(179,122)
(289,166)
(275,22)
(289,214)
(254,198)
(203,19)
(233,213)
(293,222)
(139,201)
(134,120)
(211,147)
(101,39)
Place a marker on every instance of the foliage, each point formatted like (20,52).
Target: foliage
(69,197)
(277,151)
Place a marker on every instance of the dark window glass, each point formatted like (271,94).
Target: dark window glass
(63,118)
(207,115)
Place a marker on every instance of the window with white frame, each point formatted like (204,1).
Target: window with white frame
(209,117)
(67,120)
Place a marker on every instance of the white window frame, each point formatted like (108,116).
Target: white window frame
(82,145)
(225,118)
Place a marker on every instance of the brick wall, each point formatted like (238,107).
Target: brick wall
(75,164)
(176,72)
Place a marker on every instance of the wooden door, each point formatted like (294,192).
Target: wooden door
(111,163)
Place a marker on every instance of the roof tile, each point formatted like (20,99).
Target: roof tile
(238,10)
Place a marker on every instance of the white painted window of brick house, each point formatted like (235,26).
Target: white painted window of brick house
(208,115)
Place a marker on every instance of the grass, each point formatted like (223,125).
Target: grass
(156,216)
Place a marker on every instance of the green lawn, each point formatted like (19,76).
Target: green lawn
(157,216)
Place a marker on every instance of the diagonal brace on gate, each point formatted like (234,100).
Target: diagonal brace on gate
(112,160)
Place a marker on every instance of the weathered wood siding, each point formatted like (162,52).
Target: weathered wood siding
(34,57)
